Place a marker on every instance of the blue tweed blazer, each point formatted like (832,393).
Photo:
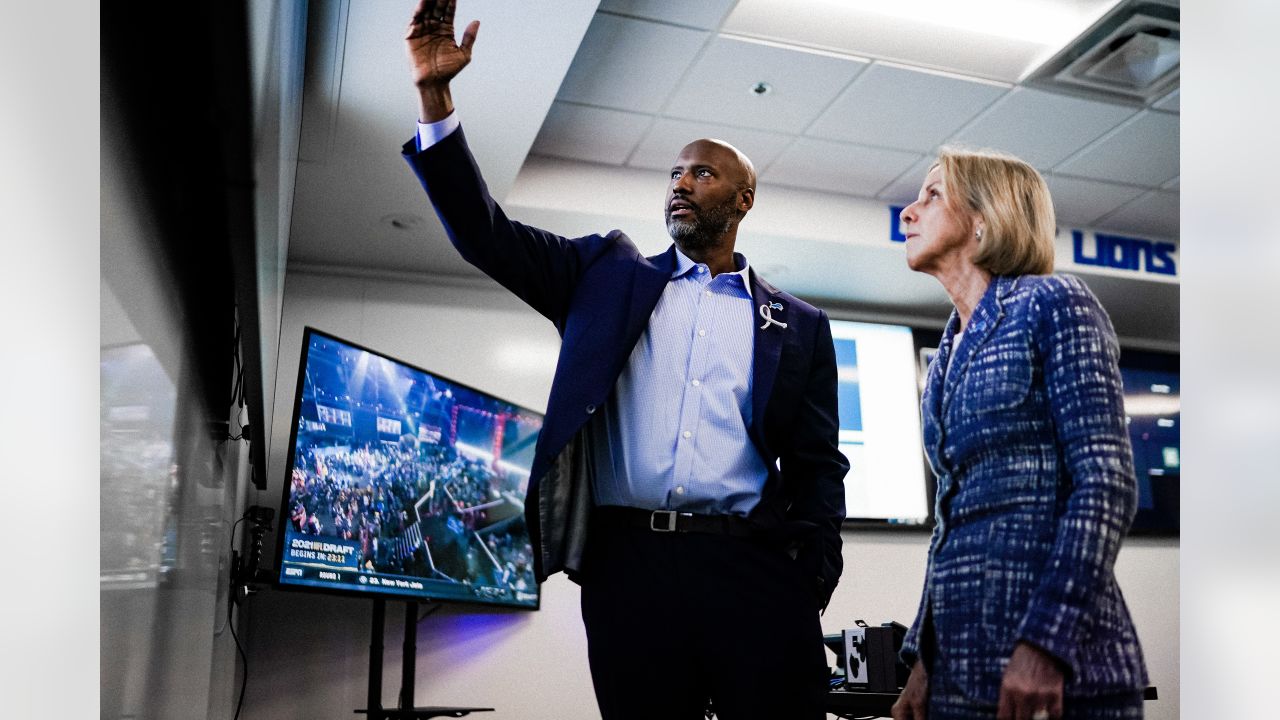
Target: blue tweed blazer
(1026,434)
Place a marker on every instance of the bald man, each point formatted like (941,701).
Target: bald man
(687,474)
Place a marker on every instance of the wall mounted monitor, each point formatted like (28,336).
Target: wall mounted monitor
(1153,412)
(404,484)
(880,423)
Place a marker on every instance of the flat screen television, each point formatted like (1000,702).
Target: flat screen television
(879,406)
(404,484)
(1153,412)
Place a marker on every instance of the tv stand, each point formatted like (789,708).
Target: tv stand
(406,711)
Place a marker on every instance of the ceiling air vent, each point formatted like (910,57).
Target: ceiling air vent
(1132,53)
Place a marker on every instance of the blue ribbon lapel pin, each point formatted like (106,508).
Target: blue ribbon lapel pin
(766,312)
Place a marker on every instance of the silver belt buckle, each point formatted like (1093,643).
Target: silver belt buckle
(670,521)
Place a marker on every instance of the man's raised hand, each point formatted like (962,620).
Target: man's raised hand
(434,57)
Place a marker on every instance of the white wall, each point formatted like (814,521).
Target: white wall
(309,653)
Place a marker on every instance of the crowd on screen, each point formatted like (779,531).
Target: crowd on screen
(376,494)
(515,561)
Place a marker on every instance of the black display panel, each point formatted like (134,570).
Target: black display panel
(1153,413)
(403,483)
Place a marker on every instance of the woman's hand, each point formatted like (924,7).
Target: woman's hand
(915,696)
(1032,686)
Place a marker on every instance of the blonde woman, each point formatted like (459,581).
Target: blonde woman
(1020,616)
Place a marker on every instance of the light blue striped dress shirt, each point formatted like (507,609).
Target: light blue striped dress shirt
(675,428)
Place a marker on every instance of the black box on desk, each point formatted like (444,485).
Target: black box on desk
(870,659)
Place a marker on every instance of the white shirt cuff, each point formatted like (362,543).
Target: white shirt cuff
(431,133)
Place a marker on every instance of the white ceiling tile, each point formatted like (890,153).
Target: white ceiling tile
(663,143)
(906,188)
(718,88)
(1082,202)
(590,133)
(1042,128)
(629,64)
(838,167)
(1170,102)
(1142,152)
(705,14)
(1155,213)
(896,107)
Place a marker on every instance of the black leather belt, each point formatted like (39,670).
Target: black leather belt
(674,521)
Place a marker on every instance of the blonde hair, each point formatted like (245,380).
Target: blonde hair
(1014,204)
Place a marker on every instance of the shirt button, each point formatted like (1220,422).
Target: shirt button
(686,434)
(696,383)
(591,409)
(679,489)
(702,333)
(706,292)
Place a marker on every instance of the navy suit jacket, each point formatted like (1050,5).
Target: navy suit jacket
(1026,433)
(599,291)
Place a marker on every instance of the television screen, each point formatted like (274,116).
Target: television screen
(1153,413)
(404,483)
(139,469)
(880,423)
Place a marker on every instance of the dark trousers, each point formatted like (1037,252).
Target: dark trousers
(676,619)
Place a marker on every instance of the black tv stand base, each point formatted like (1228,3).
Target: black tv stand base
(407,711)
(422,713)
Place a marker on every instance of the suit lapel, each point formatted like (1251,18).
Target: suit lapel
(769,337)
(650,279)
(931,400)
(981,325)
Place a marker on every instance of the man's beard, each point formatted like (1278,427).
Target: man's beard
(705,229)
